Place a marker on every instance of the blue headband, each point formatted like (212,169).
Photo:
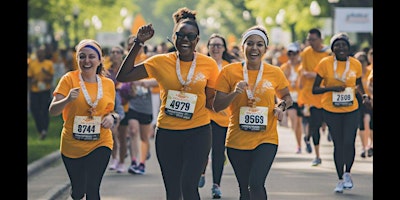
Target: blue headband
(95,49)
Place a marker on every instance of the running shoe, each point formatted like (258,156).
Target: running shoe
(120,168)
(348,183)
(113,165)
(131,168)
(308,145)
(339,187)
(140,169)
(216,192)
(298,151)
(43,135)
(316,161)
(363,154)
(370,152)
(202,181)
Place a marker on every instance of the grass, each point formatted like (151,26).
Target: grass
(38,148)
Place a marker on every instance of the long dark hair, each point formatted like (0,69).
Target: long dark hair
(225,55)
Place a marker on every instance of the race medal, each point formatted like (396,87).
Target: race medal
(92,111)
(180,104)
(253,119)
(184,88)
(87,128)
(251,92)
(344,98)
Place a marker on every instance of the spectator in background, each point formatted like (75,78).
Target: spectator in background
(116,55)
(129,127)
(365,125)
(217,49)
(291,68)
(59,69)
(40,78)
(310,57)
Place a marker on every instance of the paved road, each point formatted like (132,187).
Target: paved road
(291,177)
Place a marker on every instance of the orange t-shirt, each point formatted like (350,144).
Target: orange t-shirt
(35,68)
(221,117)
(69,146)
(162,67)
(309,60)
(326,71)
(273,79)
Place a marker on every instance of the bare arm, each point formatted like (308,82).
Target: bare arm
(222,99)
(284,94)
(210,95)
(128,71)
(286,102)
(317,89)
(60,101)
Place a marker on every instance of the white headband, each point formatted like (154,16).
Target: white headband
(255,32)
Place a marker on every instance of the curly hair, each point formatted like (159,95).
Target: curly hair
(185,15)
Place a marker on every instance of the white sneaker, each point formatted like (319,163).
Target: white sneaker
(348,183)
(114,164)
(120,168)
(339,187)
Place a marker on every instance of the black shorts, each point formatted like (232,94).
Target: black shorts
(141,117)
(298,109)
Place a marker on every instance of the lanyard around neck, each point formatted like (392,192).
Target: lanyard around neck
(191,71)
(86,94)
(250,92)
(343,78)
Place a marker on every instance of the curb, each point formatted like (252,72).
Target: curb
(39,165)
(42,163)
(56,191)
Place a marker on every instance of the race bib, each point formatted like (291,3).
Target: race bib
(180,104)
(253,119)
(344,98)
(86,128)
(41,85)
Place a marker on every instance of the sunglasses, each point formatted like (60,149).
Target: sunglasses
(190,36)
(292,53)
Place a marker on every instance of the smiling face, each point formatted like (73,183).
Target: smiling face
(186,39)
(88,59)
(216,48)
(254,49)
(341,49)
